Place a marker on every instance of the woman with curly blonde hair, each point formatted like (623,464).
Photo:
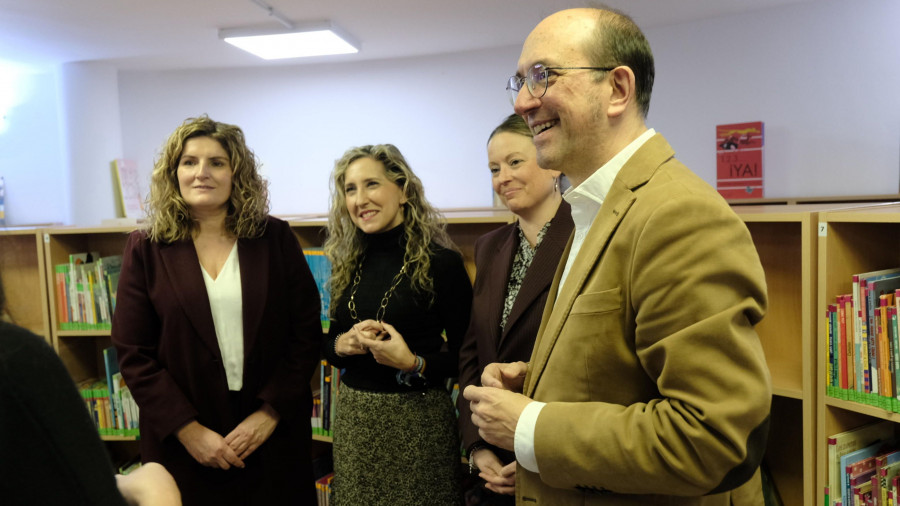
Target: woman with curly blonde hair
(217,327)
(400,306)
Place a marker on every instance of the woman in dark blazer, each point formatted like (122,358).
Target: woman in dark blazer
(514,267)
(217,327)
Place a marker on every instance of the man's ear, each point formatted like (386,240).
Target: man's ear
(623,90)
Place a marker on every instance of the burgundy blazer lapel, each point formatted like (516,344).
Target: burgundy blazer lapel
(254,259)
(182,266)
(543,266)
(499,269)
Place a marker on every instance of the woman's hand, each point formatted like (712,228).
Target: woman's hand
(350,342)
(389,348)
(207,447)
(149,485)
(253,431)
(498,478)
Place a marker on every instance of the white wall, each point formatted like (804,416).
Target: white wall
(31,160)
(438,110)
(92,138)
(824,76)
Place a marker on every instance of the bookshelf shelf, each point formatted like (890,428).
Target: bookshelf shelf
(787,393)
(119,438)
(850,241)
(83,333)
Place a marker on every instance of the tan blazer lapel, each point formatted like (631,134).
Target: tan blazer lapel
(634,174)
(555,313)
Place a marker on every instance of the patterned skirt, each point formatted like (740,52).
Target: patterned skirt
(396,449)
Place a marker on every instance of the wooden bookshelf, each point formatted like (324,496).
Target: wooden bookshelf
(785,240)
(23,274)
(809,252)
(80,350)
(851,241)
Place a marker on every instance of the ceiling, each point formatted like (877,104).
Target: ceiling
(173,34)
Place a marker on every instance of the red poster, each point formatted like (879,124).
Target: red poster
(739,160)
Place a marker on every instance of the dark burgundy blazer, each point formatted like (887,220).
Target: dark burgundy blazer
(483,342)
(170,358)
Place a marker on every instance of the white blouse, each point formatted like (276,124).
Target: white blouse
(225,302)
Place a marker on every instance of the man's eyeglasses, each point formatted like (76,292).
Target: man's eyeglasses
(537,79)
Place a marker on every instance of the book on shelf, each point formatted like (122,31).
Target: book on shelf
(886,467)
(109,401)
(127,188)
(129,465)
(111,365)
(843,443)
(86,289)
(323,489)
(739,160)
(863,359)
(325,399)
(320,266)
(860,464)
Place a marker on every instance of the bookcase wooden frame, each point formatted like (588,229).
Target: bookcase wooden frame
(784,236)
(23,275)
(851,241)
(80,350)
(804,268)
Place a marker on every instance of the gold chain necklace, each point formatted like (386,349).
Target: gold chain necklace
(379,315)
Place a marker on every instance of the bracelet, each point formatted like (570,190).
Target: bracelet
(413,377)
(478,445)
(419,366)
(335,345)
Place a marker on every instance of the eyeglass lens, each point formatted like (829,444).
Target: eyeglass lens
(535,80)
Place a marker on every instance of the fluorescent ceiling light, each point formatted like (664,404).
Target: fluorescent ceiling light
(309,39)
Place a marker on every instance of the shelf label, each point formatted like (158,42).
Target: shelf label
(823,229)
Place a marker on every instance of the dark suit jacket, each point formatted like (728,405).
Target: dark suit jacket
(483,342)
(170,358)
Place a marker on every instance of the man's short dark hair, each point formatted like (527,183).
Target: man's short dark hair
(619,41)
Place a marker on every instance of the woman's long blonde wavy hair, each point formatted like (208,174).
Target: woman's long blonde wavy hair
(169,216)
(421,222)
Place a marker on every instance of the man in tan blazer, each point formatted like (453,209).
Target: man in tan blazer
(647,383)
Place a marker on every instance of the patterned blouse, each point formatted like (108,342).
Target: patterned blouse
(521,262)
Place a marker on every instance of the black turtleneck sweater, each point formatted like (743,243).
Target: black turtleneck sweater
(415,316)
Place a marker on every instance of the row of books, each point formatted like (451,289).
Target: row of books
(863,341)
(864,466)
(321,271)
(109,401)
(86,290)
(324,399)
(323,489)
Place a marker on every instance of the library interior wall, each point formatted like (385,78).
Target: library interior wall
(91,138)
(822,75)
(31,161)
(299,119)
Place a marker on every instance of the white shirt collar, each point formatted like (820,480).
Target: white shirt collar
(587,197)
